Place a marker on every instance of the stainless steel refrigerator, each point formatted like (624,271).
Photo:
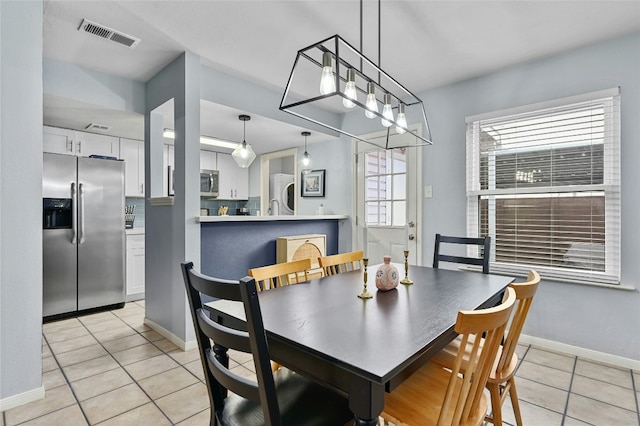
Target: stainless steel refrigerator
(83,234)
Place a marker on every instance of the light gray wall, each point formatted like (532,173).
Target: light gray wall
(335,157)
(71,81)
(172,235)
(20,198)
(594,318)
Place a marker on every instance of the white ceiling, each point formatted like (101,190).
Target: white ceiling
(424,44)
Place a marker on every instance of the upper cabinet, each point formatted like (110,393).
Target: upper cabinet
(71,142)
(234,181)
(208,160)
(132,152)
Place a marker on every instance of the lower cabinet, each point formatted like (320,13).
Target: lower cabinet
(135,267)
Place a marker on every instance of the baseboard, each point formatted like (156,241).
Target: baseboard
(581,352)
(134,297)
(185,346)
(21,399)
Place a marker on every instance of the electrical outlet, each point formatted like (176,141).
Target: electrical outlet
(428,191)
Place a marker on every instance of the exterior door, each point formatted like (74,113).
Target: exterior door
(387,201)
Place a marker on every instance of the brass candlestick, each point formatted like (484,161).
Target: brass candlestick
(406,279)
(365,294)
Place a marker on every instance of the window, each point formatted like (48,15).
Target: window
(544,182)
(386,187)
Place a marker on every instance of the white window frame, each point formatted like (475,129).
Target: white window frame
(611,186)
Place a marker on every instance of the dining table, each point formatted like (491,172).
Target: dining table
(366,347)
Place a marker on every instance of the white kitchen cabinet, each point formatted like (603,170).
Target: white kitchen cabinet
(208,160)
(58,141)
(132,152)
(135,266)
(71,142)
(91,144)
(234,180)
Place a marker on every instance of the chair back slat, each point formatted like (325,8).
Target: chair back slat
(483,260)
(340,263)
(281,274)
(524,296)
(250,340)
(462,402)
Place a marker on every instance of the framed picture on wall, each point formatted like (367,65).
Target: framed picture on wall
(313,183)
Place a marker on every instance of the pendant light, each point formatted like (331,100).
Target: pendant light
(350,80)
(243,155)
(306,159)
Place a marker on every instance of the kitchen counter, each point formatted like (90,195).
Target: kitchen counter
(134,231)
(206,219)
(230,245)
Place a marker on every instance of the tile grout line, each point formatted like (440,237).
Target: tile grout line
(635,393)
(66,379)
(566,405)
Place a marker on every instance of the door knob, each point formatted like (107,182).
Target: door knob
(412,237)
(411,224)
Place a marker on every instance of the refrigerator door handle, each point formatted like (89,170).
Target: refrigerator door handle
(74,216)
(81,212)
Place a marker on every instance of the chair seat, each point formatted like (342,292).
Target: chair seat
(298,399)
(418,400)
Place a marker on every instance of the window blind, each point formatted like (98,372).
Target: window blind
(544,183)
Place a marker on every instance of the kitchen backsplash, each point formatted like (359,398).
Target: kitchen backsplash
(138,210)
(214,205)
(253,204)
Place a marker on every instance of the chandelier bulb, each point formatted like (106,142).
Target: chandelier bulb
(350,89)
(401,122)
(372,103)
(327,80)
(387,112)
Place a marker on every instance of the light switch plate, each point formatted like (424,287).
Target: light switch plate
(428,191)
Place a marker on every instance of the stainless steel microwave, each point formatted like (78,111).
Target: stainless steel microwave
(209,183)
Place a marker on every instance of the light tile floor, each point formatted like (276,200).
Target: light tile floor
(110,369)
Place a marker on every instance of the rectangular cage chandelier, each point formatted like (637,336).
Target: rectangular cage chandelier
(331,75)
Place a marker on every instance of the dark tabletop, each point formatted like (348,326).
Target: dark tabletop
(377,338)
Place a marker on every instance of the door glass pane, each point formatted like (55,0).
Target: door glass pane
(399,161)
(399,213)
(399,187)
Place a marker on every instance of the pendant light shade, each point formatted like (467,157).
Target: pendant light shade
(306,159)
(243,155)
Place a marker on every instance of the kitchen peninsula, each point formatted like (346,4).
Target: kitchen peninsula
(230,245)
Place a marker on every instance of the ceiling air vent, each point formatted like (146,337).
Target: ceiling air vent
(108,33)
(99,127)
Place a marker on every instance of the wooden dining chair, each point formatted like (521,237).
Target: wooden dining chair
(280,274)
(502,378)
(434,395)
(483,243)
(343,262)
(280,398)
